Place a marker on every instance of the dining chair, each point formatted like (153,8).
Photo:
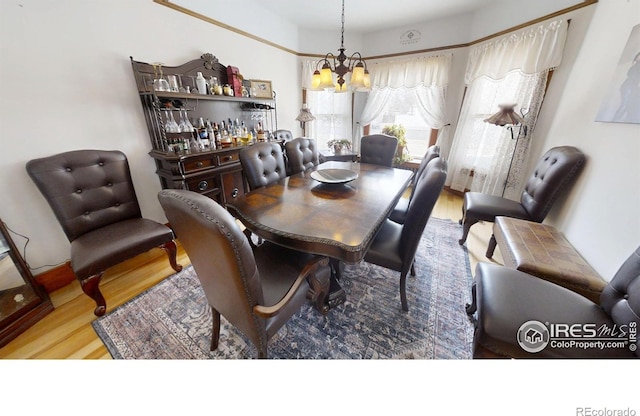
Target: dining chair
(92,196)
(395,245)
(399,212)
(256,289)
(554,173)
(263,164)
(301,154)
(378,149)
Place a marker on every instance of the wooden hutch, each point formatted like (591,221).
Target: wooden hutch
(216,173)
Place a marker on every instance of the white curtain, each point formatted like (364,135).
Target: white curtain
(511,69)
(423,81)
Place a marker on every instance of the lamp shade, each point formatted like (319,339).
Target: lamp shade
(305,115)
(505,116)
(315,80)
(326,77)
(357,76)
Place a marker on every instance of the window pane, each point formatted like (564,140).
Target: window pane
(333,116)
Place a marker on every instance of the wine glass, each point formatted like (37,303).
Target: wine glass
(185,124)
(159,83)
(171,126)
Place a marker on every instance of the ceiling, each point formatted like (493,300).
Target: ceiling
(370,15)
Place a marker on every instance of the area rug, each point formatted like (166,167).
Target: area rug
(172,320)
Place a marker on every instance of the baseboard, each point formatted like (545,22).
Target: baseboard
(54,279)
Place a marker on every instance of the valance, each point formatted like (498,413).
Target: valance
(530,51)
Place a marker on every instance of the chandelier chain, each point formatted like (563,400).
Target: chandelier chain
(342,35)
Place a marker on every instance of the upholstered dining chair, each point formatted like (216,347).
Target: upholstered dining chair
(301,154)
(399,213)
(92,196)
(378,149)
(263,163)
(509,303)
(257,289)
(395,245)
(555,172)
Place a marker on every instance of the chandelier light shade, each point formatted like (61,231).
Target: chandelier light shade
(323,78)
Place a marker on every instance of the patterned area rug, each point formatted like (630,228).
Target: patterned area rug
(172,320)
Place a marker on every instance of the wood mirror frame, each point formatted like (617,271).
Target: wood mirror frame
(22,301)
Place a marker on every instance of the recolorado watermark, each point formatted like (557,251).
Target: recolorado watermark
(535,336)
(590,411)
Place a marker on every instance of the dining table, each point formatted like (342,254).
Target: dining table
(334,209)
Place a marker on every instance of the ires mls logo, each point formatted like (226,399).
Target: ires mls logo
(535,336)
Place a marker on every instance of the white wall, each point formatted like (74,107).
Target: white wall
(67,84)
(600,214)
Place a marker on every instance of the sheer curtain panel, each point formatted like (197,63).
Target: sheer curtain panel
(510,69)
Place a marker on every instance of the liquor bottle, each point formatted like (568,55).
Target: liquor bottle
(261,137)
(210,137)
(201,83)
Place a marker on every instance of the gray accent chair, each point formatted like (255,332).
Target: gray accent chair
(256,289)
(553,175)
(92,196)
(395,245)
(378,149)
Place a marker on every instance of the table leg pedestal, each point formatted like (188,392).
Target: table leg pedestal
(337,295)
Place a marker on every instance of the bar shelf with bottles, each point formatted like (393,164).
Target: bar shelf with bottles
(187,114)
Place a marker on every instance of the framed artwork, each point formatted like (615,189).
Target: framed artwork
(621,103)
(262,88)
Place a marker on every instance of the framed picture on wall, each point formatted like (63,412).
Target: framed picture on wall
(261,89)
(621,103)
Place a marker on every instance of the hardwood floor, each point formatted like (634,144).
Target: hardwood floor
(67,331)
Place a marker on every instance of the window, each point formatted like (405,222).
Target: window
(400,110)
(333,116)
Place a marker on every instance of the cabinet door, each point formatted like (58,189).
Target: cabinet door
(232,185)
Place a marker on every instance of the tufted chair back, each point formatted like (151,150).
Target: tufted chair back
(263,164)
(554,172)
(86,189)
(302,154)
(378,149)
(284,135)
(621,297)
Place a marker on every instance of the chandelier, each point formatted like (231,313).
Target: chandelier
(323,78)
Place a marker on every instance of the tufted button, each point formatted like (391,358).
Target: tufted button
(109,184)
(78,191)
(86,213)
(117,204)
(626,296)
(554,161)
(101,163)
(68,169)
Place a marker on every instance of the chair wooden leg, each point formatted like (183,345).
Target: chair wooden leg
(403,292)
(466,226)
(413,268)
(172,252)
(215,329)
(91,287)
(472,307)
(492,246)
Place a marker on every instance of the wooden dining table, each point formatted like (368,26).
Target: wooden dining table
(337,220)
